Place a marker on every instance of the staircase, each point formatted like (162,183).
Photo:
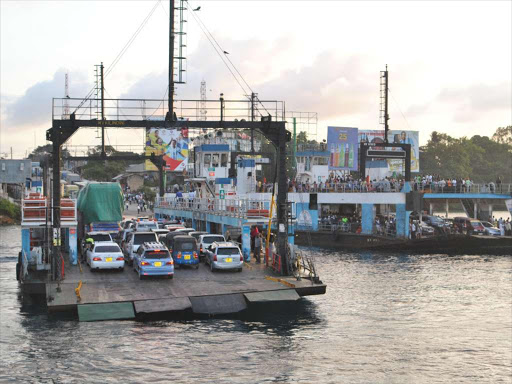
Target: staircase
(469,207)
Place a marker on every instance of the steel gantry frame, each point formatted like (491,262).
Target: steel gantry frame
(274,131)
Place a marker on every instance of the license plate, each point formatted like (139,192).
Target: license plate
(108,259)
(187,257)
(228,259)
(158,264)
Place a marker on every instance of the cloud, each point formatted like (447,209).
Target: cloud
(473,102)
(34,106)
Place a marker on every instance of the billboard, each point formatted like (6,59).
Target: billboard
(343,146)
(172,143)
(394,136)
(405,137)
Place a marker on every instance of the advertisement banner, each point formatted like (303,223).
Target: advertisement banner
(394,136)
(172,143)
(343,146)
(405,137)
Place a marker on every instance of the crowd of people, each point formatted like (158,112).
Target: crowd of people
(139,199)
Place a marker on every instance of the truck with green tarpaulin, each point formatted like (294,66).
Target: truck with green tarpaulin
(100,208)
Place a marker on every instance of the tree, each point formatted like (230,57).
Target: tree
(503,135)
(105,170)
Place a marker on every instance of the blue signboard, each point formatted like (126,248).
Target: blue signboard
(342,143)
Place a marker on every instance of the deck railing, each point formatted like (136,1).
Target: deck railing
(38,210)
(241,208)
(397,187)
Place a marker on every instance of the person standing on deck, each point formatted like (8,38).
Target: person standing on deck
(257,248)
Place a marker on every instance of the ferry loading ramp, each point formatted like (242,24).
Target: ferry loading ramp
(107,295)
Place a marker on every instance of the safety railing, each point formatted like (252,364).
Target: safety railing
(156,109)
(397,187)
(38,210)
(241,208)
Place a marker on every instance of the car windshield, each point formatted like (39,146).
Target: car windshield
(228,251)
(160,254)
(186,246)
(141,238)
(103,237)
(476,224)
(107,249)
(486,224)
(211,239)
(436,220)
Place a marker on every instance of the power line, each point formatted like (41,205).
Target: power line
(222,54)
(398,106)
(122,52)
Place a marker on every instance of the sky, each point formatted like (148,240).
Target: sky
(450,63)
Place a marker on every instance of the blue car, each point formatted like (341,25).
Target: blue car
(184,251)
(153,259)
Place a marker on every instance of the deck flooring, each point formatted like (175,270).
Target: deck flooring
(116,286)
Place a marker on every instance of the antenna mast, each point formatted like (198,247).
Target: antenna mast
(65,110)
(171,60)
(384,115)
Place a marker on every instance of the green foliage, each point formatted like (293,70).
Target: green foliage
(9,209)
(479,158)
(149,192)
(98,170)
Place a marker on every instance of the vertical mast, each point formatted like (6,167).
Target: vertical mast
(171,60)
(386,115)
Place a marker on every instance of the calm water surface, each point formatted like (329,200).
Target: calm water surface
(384,319)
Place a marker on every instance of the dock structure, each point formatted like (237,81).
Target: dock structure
(117,295)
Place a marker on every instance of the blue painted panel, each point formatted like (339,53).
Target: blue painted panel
(402,221)
(407,187)
(368,217)
(303,213)
(246,163)
(72,245)
(223,180)
(246,242)
(213,148)
(25,242)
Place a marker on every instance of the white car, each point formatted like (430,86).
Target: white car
(205,241)
(490,229)
(134,240)
(105,255)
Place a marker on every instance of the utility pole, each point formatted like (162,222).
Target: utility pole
(253,98)
(171,60)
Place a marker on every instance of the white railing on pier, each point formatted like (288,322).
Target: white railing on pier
(241,208)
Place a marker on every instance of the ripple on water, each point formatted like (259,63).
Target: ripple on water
(385,318)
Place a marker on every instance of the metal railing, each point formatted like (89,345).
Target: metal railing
(156,109)
(241,208)
(397,187)
(40,211)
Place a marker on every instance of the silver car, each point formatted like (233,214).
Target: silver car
(490,229)
(224,255)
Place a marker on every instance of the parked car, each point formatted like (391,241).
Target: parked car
(490,229)
(426,230)
(145,225)
(185,230)
(469,226)
(134,240)
(196,234)
(98,237)
(160,232)
(153,259)
(224,255)
(173,227)
(184,251)
(437,223)
(206,240)
(105,255)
